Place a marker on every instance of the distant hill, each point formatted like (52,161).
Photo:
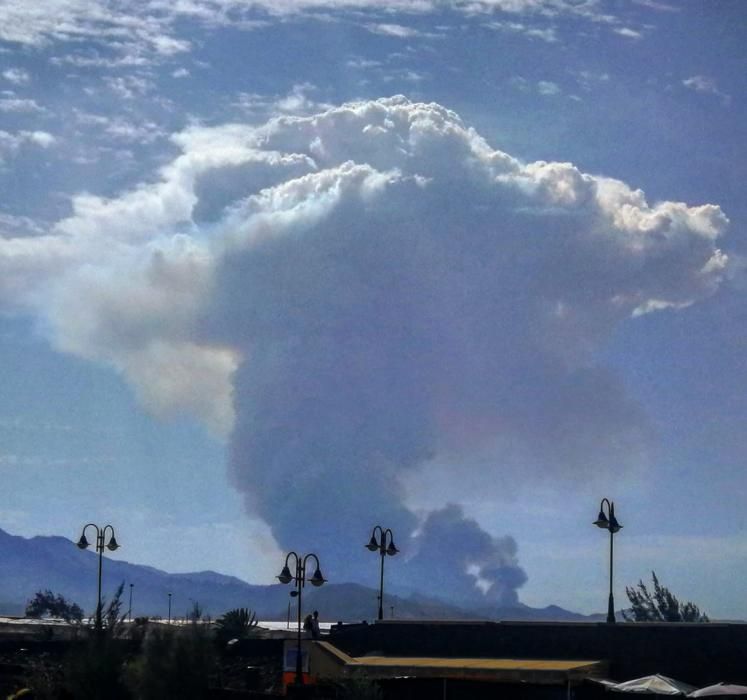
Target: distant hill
(55,563)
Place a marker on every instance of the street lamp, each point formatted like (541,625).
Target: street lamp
(384,549)
(111,546)
(129,611)
(169,622)
(608,521)
(300,579)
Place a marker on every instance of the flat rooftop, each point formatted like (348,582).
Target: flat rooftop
(545,671)
(486,664)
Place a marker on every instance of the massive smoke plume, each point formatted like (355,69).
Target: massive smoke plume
(351,295)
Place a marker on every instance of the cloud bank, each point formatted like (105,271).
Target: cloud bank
(350,296)
(138,34)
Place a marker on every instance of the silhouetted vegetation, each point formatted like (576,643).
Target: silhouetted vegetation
(112,617)
(195,614)
(95,672)
(175,662)
(659,605)
(358,689)
(236,624)
(47,603)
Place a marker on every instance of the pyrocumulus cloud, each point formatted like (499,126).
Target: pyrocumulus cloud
(351,296)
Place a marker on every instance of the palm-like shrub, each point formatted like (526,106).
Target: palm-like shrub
(236,624)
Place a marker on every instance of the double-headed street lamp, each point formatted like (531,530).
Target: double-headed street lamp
(111,546)
(384,550)
(608,521)
(300,578)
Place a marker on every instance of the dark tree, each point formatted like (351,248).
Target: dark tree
(659,605)
(47,603)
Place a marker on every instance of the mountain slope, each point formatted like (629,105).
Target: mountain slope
(55,563)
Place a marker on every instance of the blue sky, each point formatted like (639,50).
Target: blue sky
(272,272)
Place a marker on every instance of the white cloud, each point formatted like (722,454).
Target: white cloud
(10,143)
(131,132)
(40,138)
(628,33)
(362,63)
(298,100)
(589,79)
(18,225)
(146,33)
(547,34)
(169,46)
(17,76)
(93,59)
(659,6)
(407,76)
(89,119)
(135,30)
(19,104)
(547,87)
(395,30)
(706,85)
(130,86)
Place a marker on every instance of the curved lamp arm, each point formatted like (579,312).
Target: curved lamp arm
(391,549)
(285,575)
(83,543)
(112,544)
(373,543)
(317,579)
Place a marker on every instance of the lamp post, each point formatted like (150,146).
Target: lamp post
(169,621)
(384,549)
(608,521)
(129,611)
(300,579)
(293,594)
(83,543)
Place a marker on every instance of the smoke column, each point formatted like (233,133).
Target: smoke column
(420,293)
(359,295)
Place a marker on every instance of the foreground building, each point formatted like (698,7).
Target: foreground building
(526,659)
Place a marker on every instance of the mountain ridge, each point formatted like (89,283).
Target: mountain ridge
(55,563)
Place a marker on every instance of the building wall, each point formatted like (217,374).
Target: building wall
(699,654)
